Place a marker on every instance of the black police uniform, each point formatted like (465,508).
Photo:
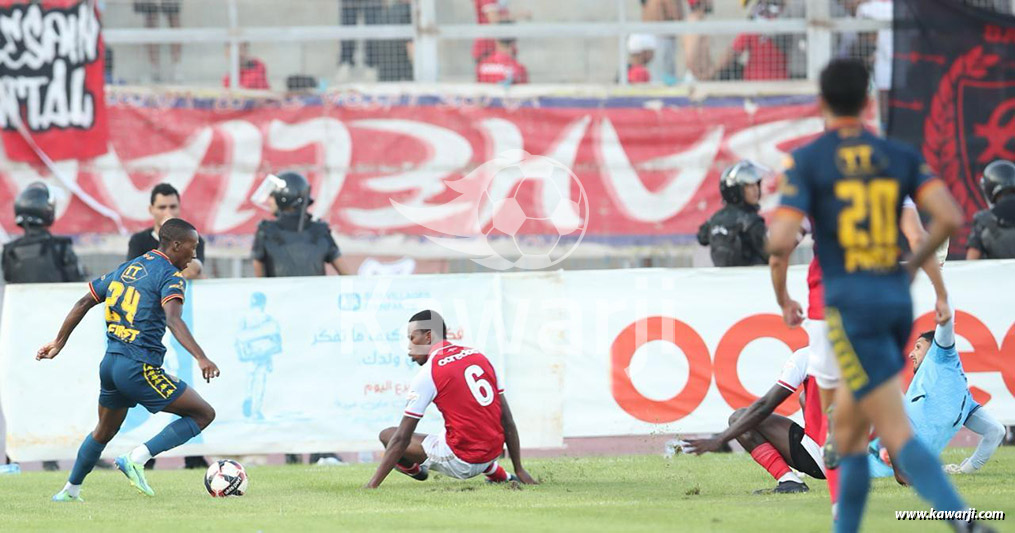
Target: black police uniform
(993,231)
(40,257)
(735,236)
(286,251)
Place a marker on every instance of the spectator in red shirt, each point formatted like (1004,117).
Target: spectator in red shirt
(501,66)
(640,47)
(765,58)
(488,12)
(253,73)
(493,12)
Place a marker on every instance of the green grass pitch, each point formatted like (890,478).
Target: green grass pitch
(635,493)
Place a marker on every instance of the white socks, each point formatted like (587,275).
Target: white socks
(73,490)
(790,476)
(140,455)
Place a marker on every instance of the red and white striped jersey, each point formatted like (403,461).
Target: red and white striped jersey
(794,375)
(462,383)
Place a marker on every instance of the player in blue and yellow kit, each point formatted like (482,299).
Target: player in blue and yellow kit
(852,184)
(142,297)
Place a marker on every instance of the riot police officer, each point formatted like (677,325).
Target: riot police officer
(293,244)
(736,233)
(993,232)
(39,256)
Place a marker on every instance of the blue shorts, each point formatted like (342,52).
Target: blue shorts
(126,383)
(869,342)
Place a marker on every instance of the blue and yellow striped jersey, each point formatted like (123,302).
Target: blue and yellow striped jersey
(852,184)
(134,294)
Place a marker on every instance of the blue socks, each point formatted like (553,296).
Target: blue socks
(916,462)
(175,434)
(854,482)
(925,474)
(88,455)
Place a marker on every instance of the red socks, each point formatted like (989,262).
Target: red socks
(768,457)
(411,470)
(496,473)
(831,475)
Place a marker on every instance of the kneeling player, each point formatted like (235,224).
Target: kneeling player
(477,420)
(776,442)
(141,297)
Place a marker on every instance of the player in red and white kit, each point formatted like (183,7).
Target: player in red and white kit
(822,364)
(774,441)
(462,384)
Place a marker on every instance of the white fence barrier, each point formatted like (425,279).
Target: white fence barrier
(593,353)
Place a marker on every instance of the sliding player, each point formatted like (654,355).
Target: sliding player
(776,442)
(938,404)
(852,184)
(477,420)
(142,297)
(822,364)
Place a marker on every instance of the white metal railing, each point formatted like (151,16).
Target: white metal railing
(426,33)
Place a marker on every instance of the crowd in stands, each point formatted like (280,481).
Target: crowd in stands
(654,59)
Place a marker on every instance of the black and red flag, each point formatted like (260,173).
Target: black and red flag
(51,80)
(953,91)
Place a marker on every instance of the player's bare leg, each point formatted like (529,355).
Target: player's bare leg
(196,414)
(883,408)
(411,462)
(191,404)
(109,424)
(769,446)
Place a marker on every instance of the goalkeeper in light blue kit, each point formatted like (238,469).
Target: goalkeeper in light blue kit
(938,404)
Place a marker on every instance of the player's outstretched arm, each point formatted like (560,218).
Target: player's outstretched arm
(80,309)
(175,323)
(912,228)
(396,448)
(991,432)
(761,409)
(946,217)
(513,444)
(944,337)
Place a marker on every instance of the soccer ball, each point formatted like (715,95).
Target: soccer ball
(226,478)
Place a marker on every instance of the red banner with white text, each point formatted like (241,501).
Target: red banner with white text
(648,166)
